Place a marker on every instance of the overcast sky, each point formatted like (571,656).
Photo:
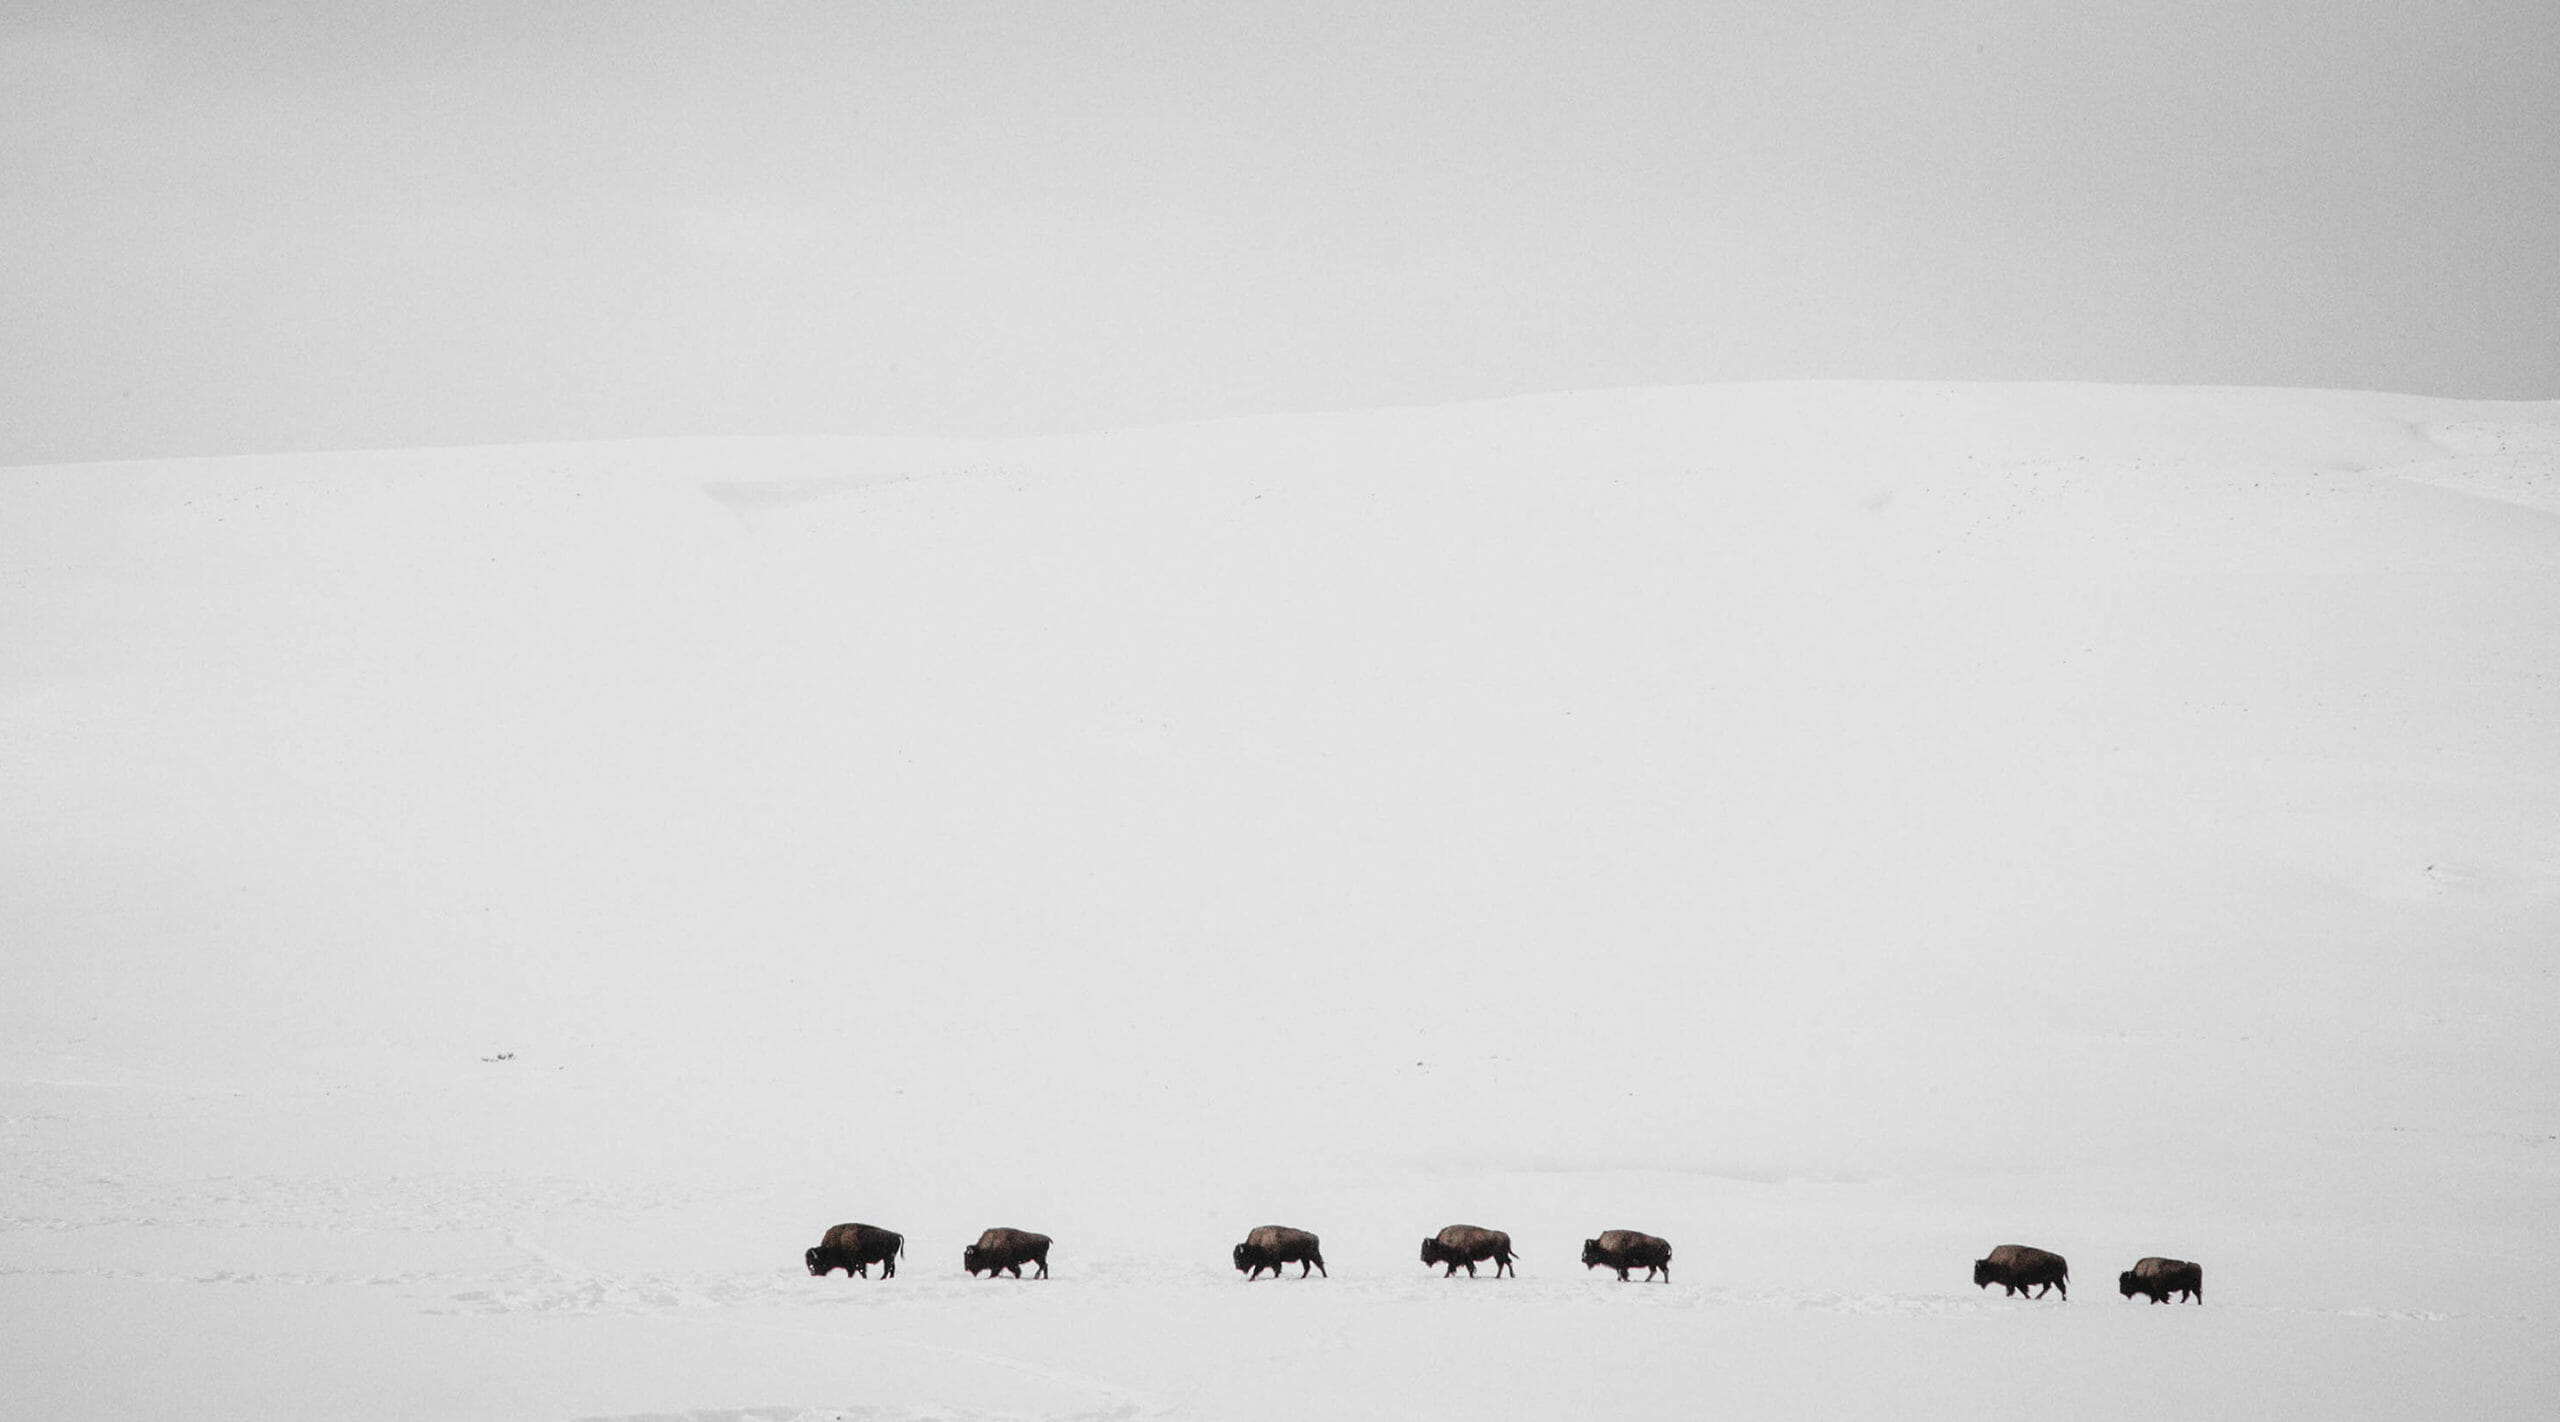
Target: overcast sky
(245,227)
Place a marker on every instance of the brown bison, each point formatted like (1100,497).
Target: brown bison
(2017,1268)
(2160,1278)
(1001,1249)
(854,1248)
(1625,1249)
(1466,1244)
(1271,1246)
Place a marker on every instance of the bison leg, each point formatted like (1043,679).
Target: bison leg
(1044,1266)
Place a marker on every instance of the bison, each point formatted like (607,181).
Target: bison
(2160,1278)
(1271,1246)
(1625,1249)
(1466,1244)
(854,1248)
(1002,1249)
(2017,1268)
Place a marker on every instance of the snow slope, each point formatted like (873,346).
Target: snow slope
(1839,827)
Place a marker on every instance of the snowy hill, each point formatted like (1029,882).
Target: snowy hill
(1837,827)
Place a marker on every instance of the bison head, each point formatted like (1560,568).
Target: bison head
(1591,1253)
(1982,1276)
(2124,1284)
(969,1259)
(814,1266)
(1244,1256)
(1431,1251)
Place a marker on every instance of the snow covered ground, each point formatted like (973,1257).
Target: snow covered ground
(470,919)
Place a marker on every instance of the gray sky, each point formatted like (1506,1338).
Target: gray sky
(270,226)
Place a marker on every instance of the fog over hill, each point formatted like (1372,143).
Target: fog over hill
(1838,827)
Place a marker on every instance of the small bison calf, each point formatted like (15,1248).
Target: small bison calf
(854,1248)
(2018,1268)
(1625,1249)
(1466,1244)
(1003,1249)
(2160,1278)
(1271,1246)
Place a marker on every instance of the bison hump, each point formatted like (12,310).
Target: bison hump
(2023,1256)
